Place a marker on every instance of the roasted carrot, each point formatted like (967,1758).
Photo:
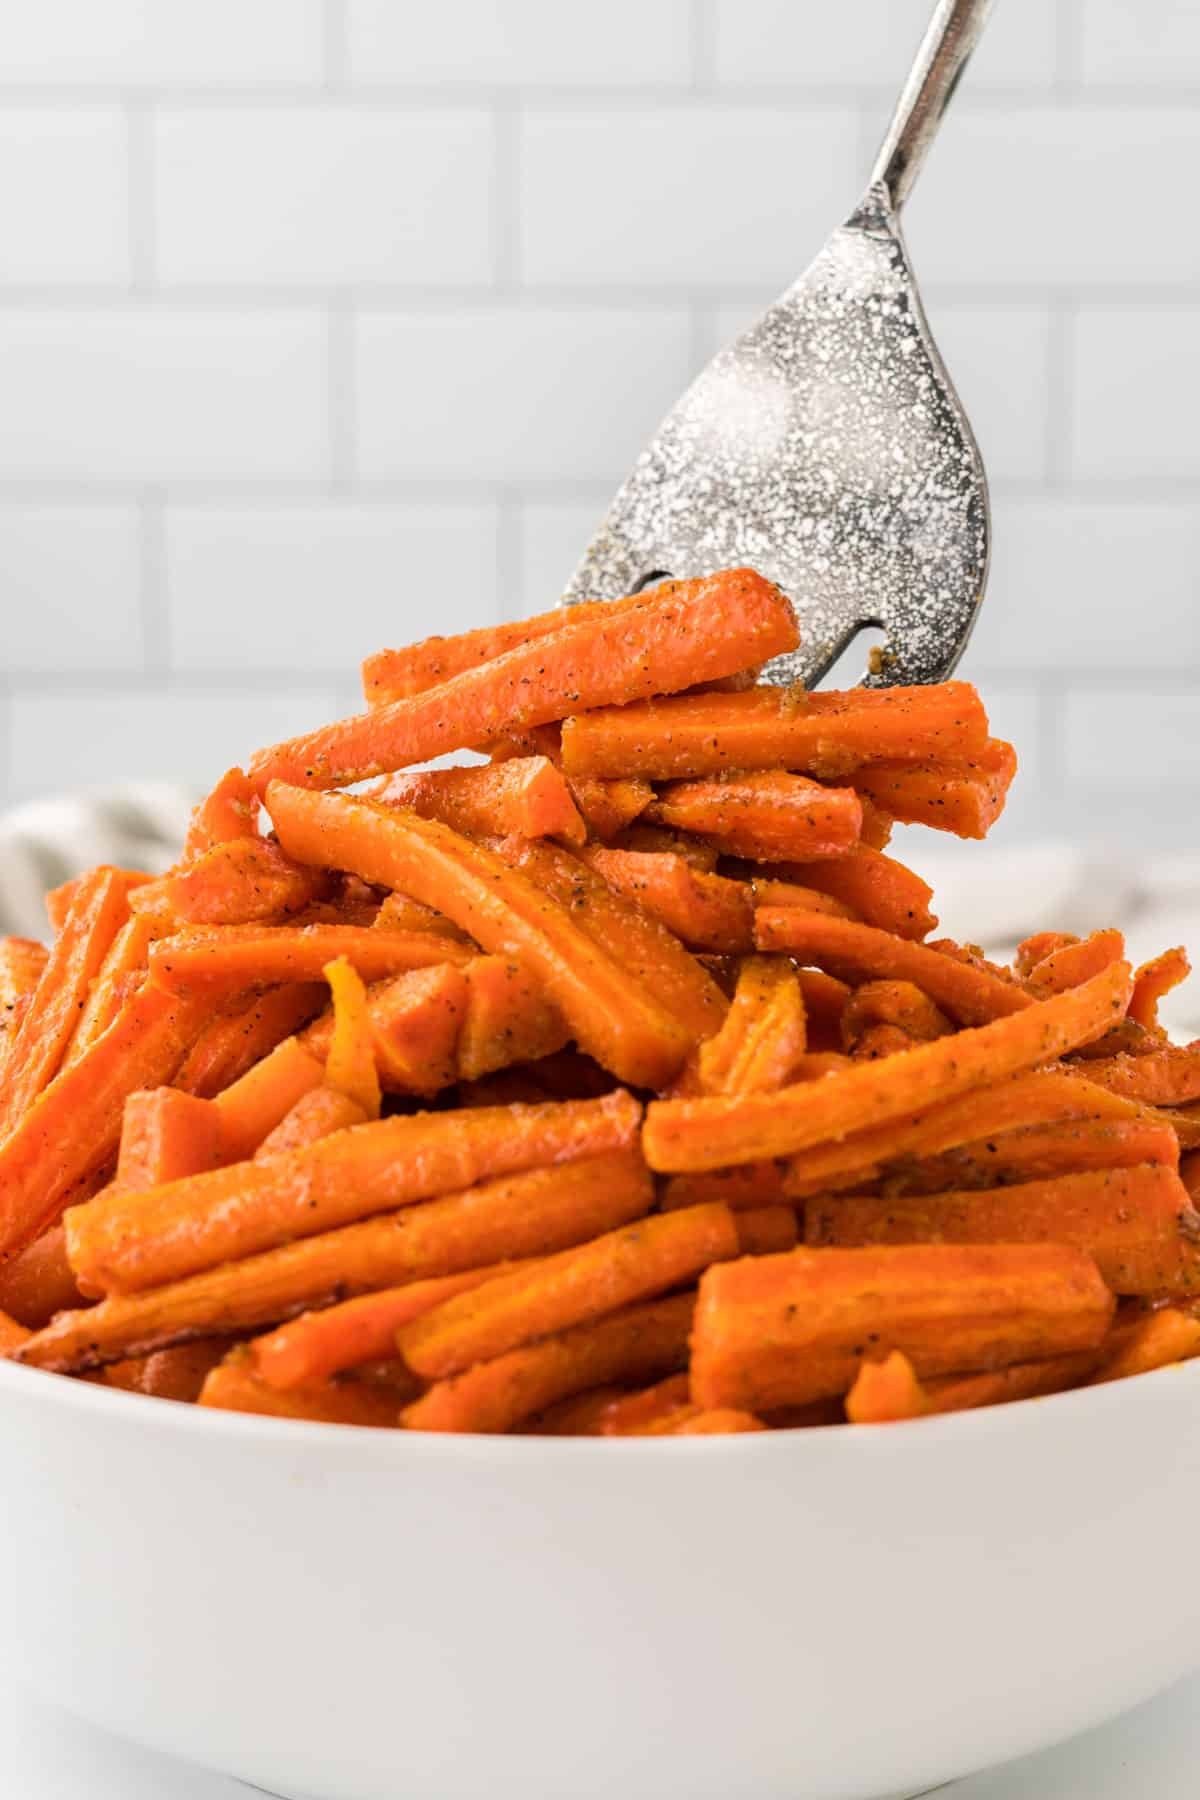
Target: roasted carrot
(243,881)
(258,1101)
(704,911)
(22,961)
(1070,964)
(235,1387)
(761,1042)
(316,1115)
(417,1021)
(681,633)
(1154,1341)
(229,811)
(635,1345)
(233,1042)
(713,1133)
(634,1263)
(758,980)
(1152,981)
(609,806)
(824,1000)
(766,1230)
(888,1391)
(166,1134)
(121,974)
(175,1374)
(1138,1223)
(827,734)
(964,795)
(765,817)
(530,1214)
(860,952)
(746,1187)
(39,1281)
(776,1331)
(525,797)
(233,958)
(507,1018)
(12,1334)
(398,913)
(350,1062)
(717,1421)
(879,890)
(769,890)
(625,1028)
(1168,1076)
(126,1242)
(885,1391)
(1038,1151)
(899,1004)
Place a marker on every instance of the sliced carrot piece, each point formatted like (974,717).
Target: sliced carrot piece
(885,1391)
(879,890)
(166,1134)
(775,1331)
(525,797)
(1152,981)
(243,881)
(39,1281)
(1039,1151)
(1169,1076)
(175,1374)
(764,817)
(416,1023)
(964,795)
(758,980)
(609,806)
(747,1187)
(768,890)
(767,1230)
(717,1421)
(898,1004)
(316,1115)
(398,913)
(121,974)
(681,633)
(631,1415)
(235,1387)
(1160,1338)
(1072,963)
(229,958)
(251,1107)
(228,812)
(350,1063)
(507,1019)
(232,1043)
(704,911)
(760,1045)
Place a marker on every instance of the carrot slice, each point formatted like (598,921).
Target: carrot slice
(1072,963)
(827,734)
(767,1230)
(175,1374)
(1039,1151)
(899,1004)
(879,890)
(1153,1342)
(235,957)
(122,1242)
(316,1115)
(759,1046)
(609,806)
(633,1263)
(529,1214)
(39,1281)
(350,1063)
(243,881)
(228,812)
(681,633)
(507,1019)
(703,910)
(775,1331)
(625,1028)
(166,1134)
(22,961)
(764,817)
(1138,1223)
(235,1387)
(121,974)
(251,1107)
(12,1334)
(860,952)
(964,795)
(526,797)
(398,913)
(416,1022)
(231,1044)
(886,1391)
(713,1133)
(1152,981)
(746,1187)
(1169,1076)
(622,1414)
(717,1421)
(768,890)
(635,1345)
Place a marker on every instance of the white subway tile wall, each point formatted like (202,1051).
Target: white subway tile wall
(325,323)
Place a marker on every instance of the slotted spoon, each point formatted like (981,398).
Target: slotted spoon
(826,446)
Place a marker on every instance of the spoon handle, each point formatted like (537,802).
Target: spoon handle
(952,34)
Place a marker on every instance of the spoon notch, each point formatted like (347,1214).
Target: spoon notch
(826,445)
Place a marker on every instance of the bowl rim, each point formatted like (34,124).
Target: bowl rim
(388,1446)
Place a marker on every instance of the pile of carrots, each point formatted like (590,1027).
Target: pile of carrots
(611,1083)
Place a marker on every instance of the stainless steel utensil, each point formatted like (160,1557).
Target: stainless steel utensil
(826,445)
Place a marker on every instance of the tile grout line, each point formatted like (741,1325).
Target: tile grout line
(140,149)
(505,200)
(1059,422)
(153,598)
(334,46)
(342,397)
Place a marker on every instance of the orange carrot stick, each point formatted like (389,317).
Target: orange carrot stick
(747,1187)
(1169,1076)
(886,1391)
(713,1133)
(609,806)
(350,1064)
(122,1242)
(767,890)
(898,1004)
(635,1345)
(775,1331)
(717,1421)
(1038,1151)
(877,888)
(22,961)
(826,734)
(532,1213)
(758,1047)
(1153,1342)
(121,974)
(624,1028)
(703,910)
(507,1019)
(1072,963)
(767,1230)
(964,795)
(166,1134)
(234,1387)
(417,1021)
(244,881)
(683,632)
(764,817)
(251,1107)
(758,979)
(1152,981)
(398,913)
(316,1115)
(633,1263)
(232,1043)
(232,957)
(883,1391)
(228,812)
(524,797)
(12,1334)
(860,952)
(1138,1224)
(178,1373)
(39,1281)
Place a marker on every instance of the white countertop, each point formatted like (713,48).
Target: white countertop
(1151,1753)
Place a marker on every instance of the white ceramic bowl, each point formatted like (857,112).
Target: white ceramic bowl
(819,1615)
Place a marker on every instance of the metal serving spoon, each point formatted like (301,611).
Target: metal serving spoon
(826,445)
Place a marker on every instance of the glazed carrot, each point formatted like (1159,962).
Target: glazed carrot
(1038,1151)
(39,1281)
(717,1421)
(232,1043)
(746,1187)
(766,1230)
(703,910)
(1169,1076)
(532,1213)
(1153,1342)
(681,633)
(964,795)
(60,900)
(97,911)
(759,979)
(609,806)
(507,1019)
(251,1107)
(72,1129)
(228,812)
(643,947)
(121,973)
(12,1334)
(659,840)
(885,1391)
(768,890)
(166,1134)
(243,881)
(416,1021)
(1152,981)
(22,961)
(125,1242)
(1072,963)
(713,1133)
(877,888)
(398,674)
(1033,950)
(316,1115)
(1020,1381)
(635,1345)
(1023,1100)
(764,817)
(350,1063)
(526,797)
(899,1004)
(398,913)
(234,1386)
(229,958)
(824,1001)
(826,734)
(175,1374)
(624,1028)
(860,952)
(319,1344)
(776,1331)
(1138,1223)
(761,1043)
(634,1263)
